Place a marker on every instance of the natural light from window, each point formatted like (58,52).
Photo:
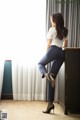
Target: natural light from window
(22,30)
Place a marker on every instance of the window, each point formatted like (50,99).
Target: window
(22,30)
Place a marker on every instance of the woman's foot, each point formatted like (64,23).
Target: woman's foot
(49,108)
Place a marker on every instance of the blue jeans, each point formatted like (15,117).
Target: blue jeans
(57,55)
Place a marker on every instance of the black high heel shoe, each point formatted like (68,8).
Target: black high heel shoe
(49,108)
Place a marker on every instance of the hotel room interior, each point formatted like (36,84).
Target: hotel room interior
(23,28)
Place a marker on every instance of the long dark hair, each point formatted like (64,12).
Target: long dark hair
(61,30)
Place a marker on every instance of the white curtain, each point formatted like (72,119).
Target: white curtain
(27,83)
(22,38)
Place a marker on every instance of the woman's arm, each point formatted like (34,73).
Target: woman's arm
(65,43)
(48,43)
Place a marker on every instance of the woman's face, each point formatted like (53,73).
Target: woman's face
(52,22)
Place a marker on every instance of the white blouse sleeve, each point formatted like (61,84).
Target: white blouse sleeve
(50,34)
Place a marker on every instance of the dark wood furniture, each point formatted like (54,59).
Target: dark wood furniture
(69,81)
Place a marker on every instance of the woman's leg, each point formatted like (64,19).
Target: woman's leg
(56,54)
(50,55)
(55,67)
(57,63)
(54,70)
(51,90)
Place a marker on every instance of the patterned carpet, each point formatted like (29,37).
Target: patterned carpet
(32,110)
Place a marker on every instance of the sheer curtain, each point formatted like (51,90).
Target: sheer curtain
(22,37)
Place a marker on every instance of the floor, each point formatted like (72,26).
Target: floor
(32,110)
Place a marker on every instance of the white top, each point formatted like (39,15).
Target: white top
(52,34)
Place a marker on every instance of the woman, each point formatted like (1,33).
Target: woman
(56,42)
